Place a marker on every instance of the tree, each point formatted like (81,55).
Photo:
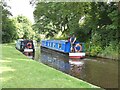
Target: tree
(8,27)
(54,17)
(24,27)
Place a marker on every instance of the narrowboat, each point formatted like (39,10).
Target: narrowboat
(64,46)
(26,47)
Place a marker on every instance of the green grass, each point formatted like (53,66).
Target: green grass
(17,71)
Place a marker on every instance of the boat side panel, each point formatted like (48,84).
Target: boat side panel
(67,47)
(55,45)
(60,45)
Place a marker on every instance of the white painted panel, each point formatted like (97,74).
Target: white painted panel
(28,50)
(76,54)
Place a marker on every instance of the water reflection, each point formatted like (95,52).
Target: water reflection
(76,68)
(100,72)
(52,60)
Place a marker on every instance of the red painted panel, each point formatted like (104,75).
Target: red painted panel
(75,56)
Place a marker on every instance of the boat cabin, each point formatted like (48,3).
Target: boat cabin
(60,45)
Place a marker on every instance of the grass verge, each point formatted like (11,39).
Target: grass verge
(17,71)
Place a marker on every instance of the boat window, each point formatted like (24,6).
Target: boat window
(53,44)
(50,44)
(22,43)
(45,43)
(19,43)
(59,46)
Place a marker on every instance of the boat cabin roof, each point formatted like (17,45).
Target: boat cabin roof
(60,41)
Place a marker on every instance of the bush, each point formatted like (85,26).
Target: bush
(61,38)
(111,51)
(95,50)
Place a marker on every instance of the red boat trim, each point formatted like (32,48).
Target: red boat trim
(75,56)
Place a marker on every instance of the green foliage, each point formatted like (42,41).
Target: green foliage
(54,17)
(8,27)
(95,50)
(111,50)
(61,38)
(23,27)
(8,31)
(12,29)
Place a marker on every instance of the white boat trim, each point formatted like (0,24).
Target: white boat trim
(28,50)
(76,54)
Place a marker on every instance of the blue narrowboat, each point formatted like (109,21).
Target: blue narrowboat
(64,46)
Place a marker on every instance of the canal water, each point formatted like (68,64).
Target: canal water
(97,71)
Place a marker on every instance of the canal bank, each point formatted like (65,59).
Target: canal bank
(20,72)
(104,56)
